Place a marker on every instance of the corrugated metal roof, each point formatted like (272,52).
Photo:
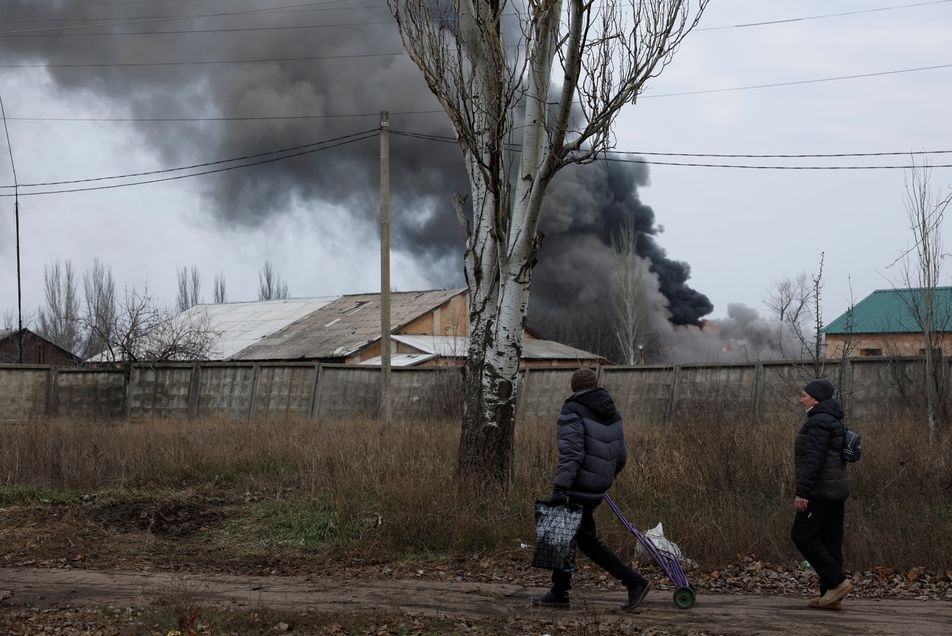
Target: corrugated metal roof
(239,325)
(344,326)
(894,311)
(457,346)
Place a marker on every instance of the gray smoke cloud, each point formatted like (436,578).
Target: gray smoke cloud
(586,205)
(743,336)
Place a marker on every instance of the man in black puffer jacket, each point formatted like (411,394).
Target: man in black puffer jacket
(821,492)
(592,452)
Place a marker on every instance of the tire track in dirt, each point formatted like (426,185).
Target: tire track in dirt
(717,614)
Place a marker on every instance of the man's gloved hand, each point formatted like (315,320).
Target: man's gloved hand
(559,497)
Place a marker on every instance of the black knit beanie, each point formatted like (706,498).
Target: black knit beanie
(819,390)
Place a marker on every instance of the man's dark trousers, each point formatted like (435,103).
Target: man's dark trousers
(592,546)
(818,534)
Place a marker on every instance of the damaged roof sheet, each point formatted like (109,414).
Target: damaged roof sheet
(344,326)
(240,325)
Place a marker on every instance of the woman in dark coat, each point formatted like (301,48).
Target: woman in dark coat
(821,492)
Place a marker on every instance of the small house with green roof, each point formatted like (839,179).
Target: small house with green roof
(889,322)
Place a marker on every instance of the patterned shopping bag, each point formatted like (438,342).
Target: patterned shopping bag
(556,527)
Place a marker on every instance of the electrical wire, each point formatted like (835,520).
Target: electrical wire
(311,58)
(447,139)
(123,21)
(440,139)
(284,11)
(443,139)
(799,82)
(198,119)
(326,145)
(822,16)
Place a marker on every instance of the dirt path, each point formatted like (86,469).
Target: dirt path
(714,614)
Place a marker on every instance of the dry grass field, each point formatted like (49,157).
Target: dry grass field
(354,499)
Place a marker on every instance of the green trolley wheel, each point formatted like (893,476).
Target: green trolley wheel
(684,597)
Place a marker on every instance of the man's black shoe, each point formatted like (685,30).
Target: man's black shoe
(551,599)
(636,594)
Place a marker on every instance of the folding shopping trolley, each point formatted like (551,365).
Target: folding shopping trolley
(666,560)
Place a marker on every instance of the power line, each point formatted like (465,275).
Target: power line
(173,18)
(799,82)
(712,165)
(197,165)
(92,19)
(137,19)
(783,156)
(445,139)
(199,119)
(289,27)
(822,16)
(201,62)
(351,139)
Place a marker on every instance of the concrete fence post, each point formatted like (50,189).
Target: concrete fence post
(51,395)
(758,390)
(316,406)
(194,386)
(673,400)
(253,402)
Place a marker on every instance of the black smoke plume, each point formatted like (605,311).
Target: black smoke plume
(312,99)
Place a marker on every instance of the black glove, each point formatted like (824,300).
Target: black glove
(559,498)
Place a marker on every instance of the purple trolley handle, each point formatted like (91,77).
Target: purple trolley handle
(666,560)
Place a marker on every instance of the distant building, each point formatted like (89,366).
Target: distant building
(428,328)
(887,323)
(36,350)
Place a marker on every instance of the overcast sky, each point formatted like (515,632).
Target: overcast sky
(739,230)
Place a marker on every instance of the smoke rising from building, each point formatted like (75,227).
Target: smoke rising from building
(290,103)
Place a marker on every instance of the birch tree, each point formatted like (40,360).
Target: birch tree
(525,101)
(631,313)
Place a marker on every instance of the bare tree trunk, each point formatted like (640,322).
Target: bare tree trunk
(925,212)
(496,87)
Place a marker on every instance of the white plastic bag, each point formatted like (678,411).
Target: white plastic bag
(662,543)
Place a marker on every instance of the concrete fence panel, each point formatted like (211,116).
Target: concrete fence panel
(159,391)
(767,391)
(895,388)
(24,392)
(542,393)
(98,393)
(426,394)
(780,391)
(285,390)
(225,390)
(348,391)
(642,394)
(729,388)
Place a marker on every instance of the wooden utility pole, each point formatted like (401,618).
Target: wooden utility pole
(16,213)
(385,404)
